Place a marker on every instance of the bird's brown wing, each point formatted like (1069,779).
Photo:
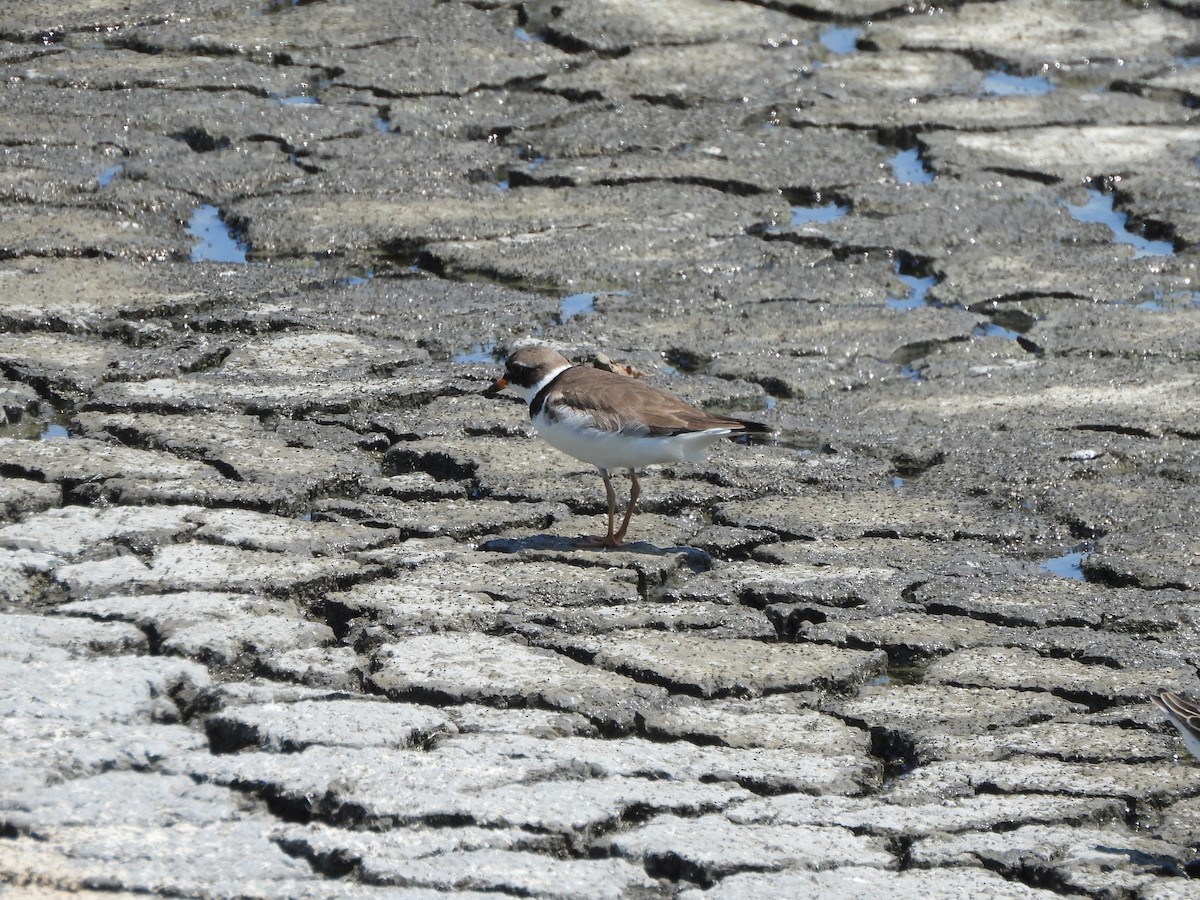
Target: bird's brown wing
(1188,712)
(618,403)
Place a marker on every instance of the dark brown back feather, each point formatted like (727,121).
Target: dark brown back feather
(601,395)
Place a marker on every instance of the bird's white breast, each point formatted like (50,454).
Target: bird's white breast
(575,434)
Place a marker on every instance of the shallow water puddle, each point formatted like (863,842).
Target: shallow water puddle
(105,177)
(808,215)
(46,425)
(354,280)
(991,329)
(581,304)
(999,83)
(574,305)
(918,290)
(909,168)
(1016,323)
(1069,565)
(216,241)
(476,353)
(1158,300)
(840,40)
(1099,210)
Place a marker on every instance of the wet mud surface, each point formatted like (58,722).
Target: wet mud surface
(290,610)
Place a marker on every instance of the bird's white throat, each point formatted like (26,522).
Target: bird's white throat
(528,393)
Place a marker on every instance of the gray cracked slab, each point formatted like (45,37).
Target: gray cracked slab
(757,768)
(73,531)
(77,636)
(359,723)
(1082,858)
(980,813)
(848,583)
(531,874)
(85,747)
(1070,328)
(148,799)
(903,634)
(259,531)
(115,69)
(202,567)
(863,883)
(568,806)
(984,113)
(1126,781)
(648,141)
(690,74)
(476,667)
(469,230)
(50,670)
(216,627)
(710,847)
(1031,34)
(197,860)
(456,597)
(1067,741)
(22,573)
(73,292)
(772,722)
(697,664)
(1022,670)
(1069,154)
(870,514)
(301,372)
(1180,822)
(39,232)
(624,24)
(240,448)
(474,719)
(382,785)
(456,518)
(914,709)
(715,620)
(73,460)
(317,840)
(62,362)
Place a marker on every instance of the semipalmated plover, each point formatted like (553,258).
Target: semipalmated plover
(612,421)
(1184,715)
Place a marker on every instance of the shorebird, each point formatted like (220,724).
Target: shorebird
(1184,715)
(612,421)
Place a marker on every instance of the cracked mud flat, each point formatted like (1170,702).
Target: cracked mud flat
(289,610)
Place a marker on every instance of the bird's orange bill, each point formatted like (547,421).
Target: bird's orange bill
(496,387)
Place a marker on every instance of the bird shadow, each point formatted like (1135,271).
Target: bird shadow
(696,557)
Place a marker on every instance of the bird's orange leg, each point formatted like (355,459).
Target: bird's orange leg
(609,540)
(634,490)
